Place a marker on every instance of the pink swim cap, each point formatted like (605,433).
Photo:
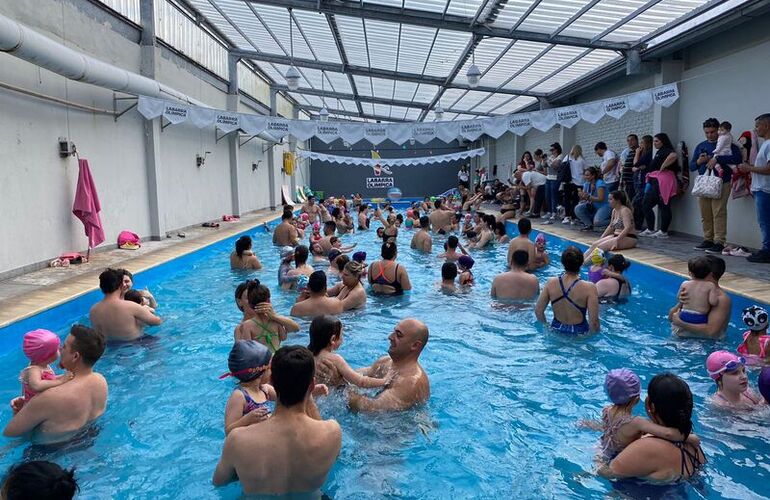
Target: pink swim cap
(316,226)
(304,216)
(720,362)
(40,345)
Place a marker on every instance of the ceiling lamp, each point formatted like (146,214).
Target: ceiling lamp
(323,115)
(438,113)
(473,75)
(292,75)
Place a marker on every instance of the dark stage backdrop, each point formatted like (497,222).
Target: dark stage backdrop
(414,180)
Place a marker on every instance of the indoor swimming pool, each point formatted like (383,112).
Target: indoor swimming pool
(507,394)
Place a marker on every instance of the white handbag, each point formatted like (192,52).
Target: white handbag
(707,185)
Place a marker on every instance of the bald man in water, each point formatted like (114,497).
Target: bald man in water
(410,386)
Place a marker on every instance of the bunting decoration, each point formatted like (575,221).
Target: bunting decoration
(381,164)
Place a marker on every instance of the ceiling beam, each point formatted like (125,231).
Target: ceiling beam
(342,112)
(433,20)
(343,56)
(372,72)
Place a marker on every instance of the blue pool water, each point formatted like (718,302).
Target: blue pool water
(501,421)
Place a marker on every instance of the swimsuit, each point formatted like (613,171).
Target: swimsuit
(745,394)
(557,325)
(687,457)
(610,446)
(617,225)
(595,276)
(693,317)
(380,279)
(27,392)
(266,335)
(743,349)
(251,405)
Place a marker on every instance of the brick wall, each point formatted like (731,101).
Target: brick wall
(611,131)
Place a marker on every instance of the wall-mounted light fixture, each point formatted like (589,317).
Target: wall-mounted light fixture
(66,148)
(201,160)
(254,166)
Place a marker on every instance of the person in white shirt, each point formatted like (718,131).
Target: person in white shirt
(534,182)
(760,187)
(609,166)
(577,165)
(552,183)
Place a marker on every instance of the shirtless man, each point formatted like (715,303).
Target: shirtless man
(325,243)
(410,386)
(421,239)
(294,449)
(350,290)
(441,218)
(115,318)
(517,283)
(575,302)
(522,242)
(301,267)
(313,301)
(450,250)
(285,234)
(57,413)
(311,209)
(718,316)
(448,276)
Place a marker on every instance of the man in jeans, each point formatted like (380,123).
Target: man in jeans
(609,166)
(760,187)
(713,211)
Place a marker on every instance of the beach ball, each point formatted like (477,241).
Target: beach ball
(394,193)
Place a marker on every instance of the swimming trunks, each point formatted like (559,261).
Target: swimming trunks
(266,335)
(251,405)
(380,279)
(693,317)
(577,329)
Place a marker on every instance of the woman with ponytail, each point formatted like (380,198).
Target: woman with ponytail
(668,403)
(243,257)
(40,480)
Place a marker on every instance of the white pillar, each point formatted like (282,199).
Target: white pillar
(233,142)
(271,152)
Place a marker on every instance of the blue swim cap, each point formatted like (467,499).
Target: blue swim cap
(302,282)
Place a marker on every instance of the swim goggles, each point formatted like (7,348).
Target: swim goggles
(730,366)
(246,371)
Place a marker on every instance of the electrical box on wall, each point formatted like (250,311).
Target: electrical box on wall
(66,148)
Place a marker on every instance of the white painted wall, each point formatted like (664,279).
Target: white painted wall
(37,187)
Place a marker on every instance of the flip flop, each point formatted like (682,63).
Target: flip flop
(740,252)
(181,235)
(210,224)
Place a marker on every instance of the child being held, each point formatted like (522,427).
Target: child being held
(598,265)
(619,426)
(756,343)
(464,265)
(701,295)
(42,349)
(724,145)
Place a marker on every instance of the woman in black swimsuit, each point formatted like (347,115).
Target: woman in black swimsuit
(614,285)
(668,403)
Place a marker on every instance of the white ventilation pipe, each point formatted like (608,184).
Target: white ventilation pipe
(29,45)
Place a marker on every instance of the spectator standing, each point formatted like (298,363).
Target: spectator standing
(642,167)
(552,182)
(609,166)
(713,211)
(661,186)
(463,177)
(577,165)
(760,187)
(540,163)
(627,157)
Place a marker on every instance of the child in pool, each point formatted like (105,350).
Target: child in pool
(702,295)
(729,373)
(331,368)
(756,343)
(464,265)
(764,383)
(316,235)
(598,265)
(541,254)
(42,349)
(619,426)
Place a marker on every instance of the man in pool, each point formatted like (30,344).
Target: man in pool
(115,318)
(285,234)
(59,412)
(410,386)
(313,301)
(294,449)
(517,283)
(325,243)
(441,218)
(311,209)
(718,316)
(421,239)
(522,242)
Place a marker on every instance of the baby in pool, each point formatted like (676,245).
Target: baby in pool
(42,349)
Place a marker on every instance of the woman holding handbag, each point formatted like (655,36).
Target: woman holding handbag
(660,187)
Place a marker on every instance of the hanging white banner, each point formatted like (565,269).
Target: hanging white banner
(493,126)
(390,162)
(175,113)
(543,120)
(666,95)
(567,117)
(520,124)
(616,107)
(591,112)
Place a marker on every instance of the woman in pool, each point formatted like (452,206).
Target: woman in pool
(620,234)
(331,368)
(484,235)
(500,234)
(266,326)
(385,276)
(128,283)
(729,374)
(350,290)
(243,257)
(390,229)
(573,300)
(668,403)
(249,403)
(613,284)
